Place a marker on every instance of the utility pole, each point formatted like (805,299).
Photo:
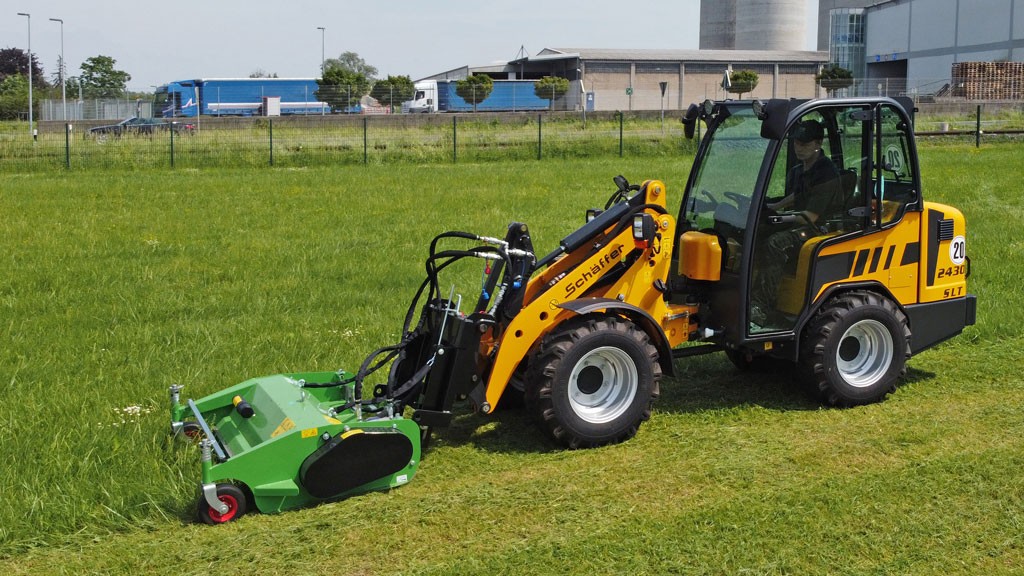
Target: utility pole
(322,36)
(60,72)
(323,32)
(31,131)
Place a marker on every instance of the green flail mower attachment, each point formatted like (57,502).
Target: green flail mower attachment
(289,440)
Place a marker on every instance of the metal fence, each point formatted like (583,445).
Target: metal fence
(338,140)
(302,141)
(75,110)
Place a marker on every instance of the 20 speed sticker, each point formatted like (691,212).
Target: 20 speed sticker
(958,250)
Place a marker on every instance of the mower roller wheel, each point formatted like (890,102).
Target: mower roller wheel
(229,494)
(593,381)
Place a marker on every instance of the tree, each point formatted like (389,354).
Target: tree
(260,73)
(15,61)
(474,89)
(393,90)
(351,62)
(742,81)
(551,88)
(101,80)
(56,77)
(13,97)
(834,77)
(341,88)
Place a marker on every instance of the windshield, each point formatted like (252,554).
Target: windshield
(720,197)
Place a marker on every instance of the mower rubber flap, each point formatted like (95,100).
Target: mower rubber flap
(352,459)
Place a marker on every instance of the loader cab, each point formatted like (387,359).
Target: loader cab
(773,185)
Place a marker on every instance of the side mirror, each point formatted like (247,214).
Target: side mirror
(689,120)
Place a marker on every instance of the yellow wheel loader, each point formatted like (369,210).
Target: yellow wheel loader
(839,267)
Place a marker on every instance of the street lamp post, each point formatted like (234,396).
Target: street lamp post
(60,71)
(322,35)
(31,132)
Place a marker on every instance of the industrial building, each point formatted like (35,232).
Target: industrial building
(896,47)
(764,36)
(607,79)
(924,48)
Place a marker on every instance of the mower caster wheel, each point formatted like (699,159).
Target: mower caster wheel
(191,430)
(229,494)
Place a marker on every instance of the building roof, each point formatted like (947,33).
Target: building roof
(673,55)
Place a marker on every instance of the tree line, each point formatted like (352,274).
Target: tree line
(98,78)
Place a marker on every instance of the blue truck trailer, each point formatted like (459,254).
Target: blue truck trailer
(507,96)
(238,97)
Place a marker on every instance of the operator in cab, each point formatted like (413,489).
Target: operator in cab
(814,168)
(809,194)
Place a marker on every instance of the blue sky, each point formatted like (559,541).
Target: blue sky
(157,42)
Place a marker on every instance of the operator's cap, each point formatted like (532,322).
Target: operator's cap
(808,130)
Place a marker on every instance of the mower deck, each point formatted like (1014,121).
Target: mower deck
(289,440)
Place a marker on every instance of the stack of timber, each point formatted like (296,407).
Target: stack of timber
(988,80)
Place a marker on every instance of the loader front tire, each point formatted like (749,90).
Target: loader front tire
(593,381)
(855,349)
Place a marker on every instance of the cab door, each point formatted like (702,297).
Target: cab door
(863,196)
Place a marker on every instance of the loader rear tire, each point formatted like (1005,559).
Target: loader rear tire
(593,381)
(855,349)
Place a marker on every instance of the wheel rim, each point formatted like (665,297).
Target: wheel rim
(603,384)
(232,509)
(865,353)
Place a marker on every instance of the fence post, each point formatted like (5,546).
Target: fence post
(540,118)
(172,145)
(270,124)
(365,141)
(67,144)
(455,139)
(621,118)
(977,128)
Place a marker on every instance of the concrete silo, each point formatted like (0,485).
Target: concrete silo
(717,24)
(753,24)
(771,24)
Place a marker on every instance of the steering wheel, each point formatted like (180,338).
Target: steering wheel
(739,199)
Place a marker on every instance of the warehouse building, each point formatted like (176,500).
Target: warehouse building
(921,40)
(633,79)
(607,79)
(928,47)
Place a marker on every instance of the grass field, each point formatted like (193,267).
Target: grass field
(117,284)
